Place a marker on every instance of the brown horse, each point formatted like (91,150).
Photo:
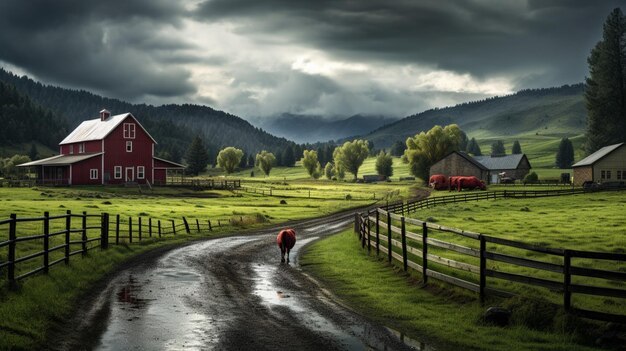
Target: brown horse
(286,239)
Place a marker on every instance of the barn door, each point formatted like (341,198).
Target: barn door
(130,174)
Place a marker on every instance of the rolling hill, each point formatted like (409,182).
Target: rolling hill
(173,126)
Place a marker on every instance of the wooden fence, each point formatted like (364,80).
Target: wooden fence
(202,183)
(59,237)
(466,259)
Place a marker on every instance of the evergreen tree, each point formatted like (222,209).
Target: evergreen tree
(463,142)
(497,148)
(250,160)
(33,154)
(565,154)
(289,159)
(473,148)
(605,91)
(244,161)
(197,156)
(384,164)
(397,149)
(176,155)
(516,149)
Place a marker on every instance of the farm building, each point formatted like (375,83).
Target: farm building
(486,168)
(605,165)
(106,150)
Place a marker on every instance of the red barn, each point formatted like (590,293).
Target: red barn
(106,150)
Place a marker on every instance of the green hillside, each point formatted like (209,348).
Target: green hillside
(551,113)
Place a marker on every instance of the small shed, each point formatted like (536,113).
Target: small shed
(460,163)
(514,166)
(605,165)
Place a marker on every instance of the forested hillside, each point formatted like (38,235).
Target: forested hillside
(25,122)
(173,126)
(553,112)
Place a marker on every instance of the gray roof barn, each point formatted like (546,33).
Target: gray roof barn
(596,156)
(500,162)
(97,129)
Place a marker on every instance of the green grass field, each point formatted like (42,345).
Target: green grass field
(442,317)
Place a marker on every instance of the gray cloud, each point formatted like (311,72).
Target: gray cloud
(105,46)
(549,38)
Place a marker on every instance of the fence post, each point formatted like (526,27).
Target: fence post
(186,225)
(46,241)
(219,223)
(377,232)
(173,227)
(130,229)
(68,227)
(104,231)
(12,237)
(404,253)
(117,229)
(567,280)
(424,252)
(483,269)
(198,225)
(210,228)
(150,226)
(159,228)
(369,229)
(84,239)
(389,248)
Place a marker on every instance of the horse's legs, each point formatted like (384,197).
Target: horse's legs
(282,253)
(288,255)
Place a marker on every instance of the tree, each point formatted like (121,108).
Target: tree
(243,163)
(265,161)
(497,148)
(605,90)
(289,158)
(350,155)
(473,148)
(384,164)
(426,148)
(565,154)
(463,142)
(397,149)
(329,170)
(197,156)
(33,153)
(229,158)
(339,171)
(310,163)
(516,149)
(9,169)
(250,159)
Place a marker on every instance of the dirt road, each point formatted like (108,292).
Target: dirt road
(228,293)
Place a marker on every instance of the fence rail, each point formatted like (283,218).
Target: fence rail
(57,238)
(468,264)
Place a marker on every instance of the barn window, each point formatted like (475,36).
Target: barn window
(141,171)
(117,172)
(129,130)
(608,174)
(602,175)
(619,175)
(129,146)
(71,149)
(81,148)
(93,173)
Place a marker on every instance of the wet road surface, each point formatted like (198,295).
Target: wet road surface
(229,293)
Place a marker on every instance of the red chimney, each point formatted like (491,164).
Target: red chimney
(104,114)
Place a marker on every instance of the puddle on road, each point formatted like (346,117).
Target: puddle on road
(157,308)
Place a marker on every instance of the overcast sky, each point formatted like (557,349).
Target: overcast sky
(326,57)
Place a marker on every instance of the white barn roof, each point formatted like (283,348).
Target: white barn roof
(60,160)
(97,129)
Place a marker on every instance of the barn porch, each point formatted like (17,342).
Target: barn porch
(55,170)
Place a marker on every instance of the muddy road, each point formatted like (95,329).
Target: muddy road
(229,293)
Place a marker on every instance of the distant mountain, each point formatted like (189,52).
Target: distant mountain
(552,111)
(173,126)
(310,129)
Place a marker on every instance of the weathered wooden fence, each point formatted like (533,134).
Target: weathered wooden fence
(203,183)
(58,237)
(466,259)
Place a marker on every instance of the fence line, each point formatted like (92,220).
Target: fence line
(59,237)
(467,265)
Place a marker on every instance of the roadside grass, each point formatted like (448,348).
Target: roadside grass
(444,317)
(591,222)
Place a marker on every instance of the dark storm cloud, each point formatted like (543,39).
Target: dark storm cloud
(106,46)
(539,42)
